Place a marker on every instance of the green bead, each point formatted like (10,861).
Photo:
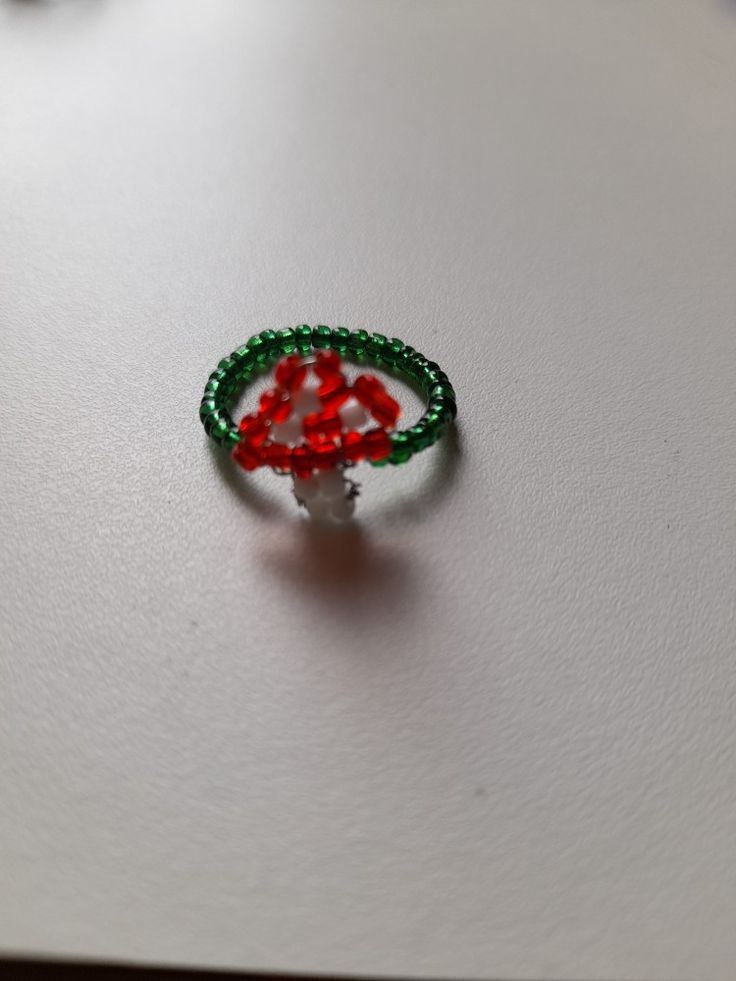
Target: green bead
(212,386)
(321,336)
(259,348)
(438,391)
(391,350)
(357,341)
(286,340)
(436,378)
(268,337)
(376,344)
(207,408)
(226,365)
(402,448)
(219,429)
(420,437)
(444,407)
(232,438)
(303,334)
(217,375)
(340,337)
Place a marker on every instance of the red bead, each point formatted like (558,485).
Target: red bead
(254,429)
(372,395)
(274,406)
(277,455)
(302,461)
(366,387)
(290,373)
(328,365)
(325,456)
(378,443)
(353,447)
(333,392)
(248,457)
(319,426)
(385,410)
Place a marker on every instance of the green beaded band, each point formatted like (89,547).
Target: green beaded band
(262,350)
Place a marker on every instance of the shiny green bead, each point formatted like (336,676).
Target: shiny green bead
(207,408)
(226,365)
(219,429)
(212,386)
(391,350)
(436,378)
(444,407)
(376,344)
(232,438)
(402,448)
(255,343)
(420,436)
(340,337)
(303,333)
(433,421)
(286,340)
(268,337)
(321,336)
(438,391)
(357,341)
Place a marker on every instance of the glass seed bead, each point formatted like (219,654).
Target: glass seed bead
(253,429)
(325,456)
(328,365)
(444,407)
(420,437)
(353,447)
(438,391)
(290,373)
(303,333)
(321,336)
(226,365)
(436,378)
(277,455)
(247,456)
(274,406)
(376,343)
(357,341)
(402,450)
(340,339)
(268,337)
(378,444)
(321,426)
(302,461)
(219,429)
(333,393)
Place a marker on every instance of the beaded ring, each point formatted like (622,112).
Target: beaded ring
(314,424)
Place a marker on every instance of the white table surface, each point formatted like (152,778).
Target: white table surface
(490,730)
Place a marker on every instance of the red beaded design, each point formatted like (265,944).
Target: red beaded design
(325,442)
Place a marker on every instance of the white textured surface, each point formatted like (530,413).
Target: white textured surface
(491,730)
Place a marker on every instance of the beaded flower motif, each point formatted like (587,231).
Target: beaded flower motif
(314,425)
